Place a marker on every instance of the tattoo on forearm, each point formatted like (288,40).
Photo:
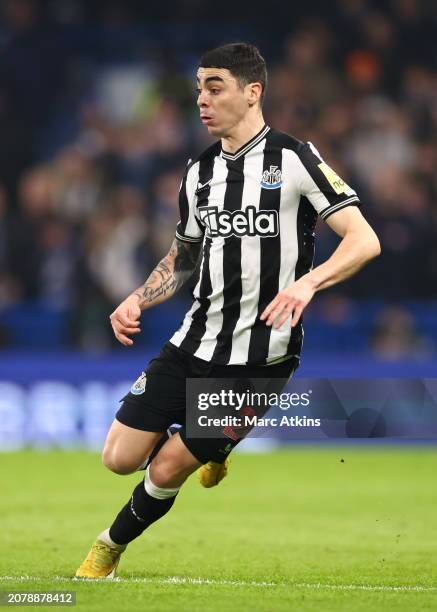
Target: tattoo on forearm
(185,260)
(170,274)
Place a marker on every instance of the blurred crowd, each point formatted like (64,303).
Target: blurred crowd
(93,145)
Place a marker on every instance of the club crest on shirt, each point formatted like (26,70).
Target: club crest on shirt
(139,385)
(272,179)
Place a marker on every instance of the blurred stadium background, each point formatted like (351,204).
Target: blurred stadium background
(97,121)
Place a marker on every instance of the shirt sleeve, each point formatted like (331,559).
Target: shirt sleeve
(189,229)
(326,191)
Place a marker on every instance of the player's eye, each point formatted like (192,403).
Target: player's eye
(198,90)
(214,91)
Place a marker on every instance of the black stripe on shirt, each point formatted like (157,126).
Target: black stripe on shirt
(270,264)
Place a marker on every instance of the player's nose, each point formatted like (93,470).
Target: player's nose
(202,100)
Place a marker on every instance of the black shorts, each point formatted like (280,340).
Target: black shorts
(158,398)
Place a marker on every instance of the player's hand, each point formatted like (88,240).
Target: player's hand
(125,320)
(289,303)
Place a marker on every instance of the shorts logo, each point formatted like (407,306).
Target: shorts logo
(226,450)
(272,179)
(248,222)
(139,385)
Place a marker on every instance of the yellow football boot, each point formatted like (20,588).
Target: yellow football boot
(101,561)
(212,473)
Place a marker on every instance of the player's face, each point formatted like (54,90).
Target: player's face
(223,103)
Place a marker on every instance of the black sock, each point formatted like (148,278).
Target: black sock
(141,511)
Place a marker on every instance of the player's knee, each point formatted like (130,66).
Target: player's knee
(117,463)
(166,471)
(161,473)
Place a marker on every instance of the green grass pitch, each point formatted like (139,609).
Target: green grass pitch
(295,529)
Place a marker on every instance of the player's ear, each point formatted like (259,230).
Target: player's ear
(254,91)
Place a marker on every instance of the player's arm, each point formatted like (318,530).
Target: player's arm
(165,280)
(169,275)
(358,246)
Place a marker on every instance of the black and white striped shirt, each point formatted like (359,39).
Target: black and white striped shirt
(255,211)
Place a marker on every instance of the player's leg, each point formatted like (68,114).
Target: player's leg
(175,460)
(126,449)
(151,499)
(155,401)
(154,496)
(171,431)
(173,464)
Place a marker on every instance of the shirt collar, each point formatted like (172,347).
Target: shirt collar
(246,147)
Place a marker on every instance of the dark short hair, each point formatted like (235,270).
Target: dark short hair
(244,62)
